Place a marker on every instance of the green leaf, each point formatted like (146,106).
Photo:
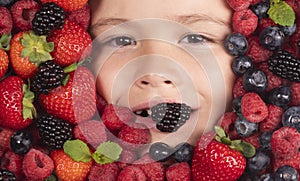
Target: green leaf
(246,149)
(107,152)
(282,13)
(275,1)
(28,111)
(77,150)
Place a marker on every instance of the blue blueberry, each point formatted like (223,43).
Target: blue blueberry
(261,9)
(280,96)
(288,30)
(271,38)
(160,151)
(265,140)
(286,173)
(245,128)
(291,117)
(255,81)
(241,64)
(236,105)
(183,152)
(258,162)
(7,3)
(21,142)
(236,44)
(266,177)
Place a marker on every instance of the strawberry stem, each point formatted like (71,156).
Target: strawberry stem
(5,42)
(29,111)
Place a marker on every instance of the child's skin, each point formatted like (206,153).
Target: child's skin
(208,22)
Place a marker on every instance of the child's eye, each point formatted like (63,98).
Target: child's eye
(194,39)
(121,41)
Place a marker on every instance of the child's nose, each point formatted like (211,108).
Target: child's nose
(154,81)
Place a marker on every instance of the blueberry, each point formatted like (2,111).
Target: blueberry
(265,140)
(258,162)
(255,81)
(241,64)
(271,38)
(236,44)
(266,177)
(245,128)
(261,9)
(286,172)
(160,151)
(288,30)
(183,152)
(7,2)
(21,142)
(291,117)
(236,105)
(280,96)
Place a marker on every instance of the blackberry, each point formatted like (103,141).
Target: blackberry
(48,77)
(170,116)
(48,18)
(7,175)
(54,131)
(285,65)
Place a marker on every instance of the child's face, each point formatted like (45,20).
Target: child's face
(144,59)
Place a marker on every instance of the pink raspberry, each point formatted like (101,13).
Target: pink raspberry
(295,87)
(263,23)
(227,123)
(100,103)
(285,142)
(294,162)
(92,132)
(6,23)
(256,51)
(253,139)
(244,22)
(179,172)
(273,121)
(238,5)
(254,2)
(238,89)
(253,108)
(81,16)
(5,135)
(13,162)
(132,173)
(273,80)
(128,156)
(37,165)
(23,13)
(115,117)
(104,172)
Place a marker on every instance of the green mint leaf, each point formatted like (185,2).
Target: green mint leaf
(275,1)
(282,13)
(107,152)
(77,150)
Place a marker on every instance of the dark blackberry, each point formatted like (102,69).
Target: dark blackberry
(54,132)
(7,175)
(285,65)
(48,18)
(170,116)
(48,77)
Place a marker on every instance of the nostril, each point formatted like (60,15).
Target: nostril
(144,82)
(168,82)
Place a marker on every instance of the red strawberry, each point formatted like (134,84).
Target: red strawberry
(71,43)
(67,169)
(104,172)
(15,114)
(213,160)
(244,22)
(76,101)
(69,5)
(273,121)
(6,23)
(5,135)
(253,107)
(115,117)
(179,172)
(91,132)
(23,12)
(13,162)
(37,165)
(3,63)
(81,16)
(238,89)
(132,173)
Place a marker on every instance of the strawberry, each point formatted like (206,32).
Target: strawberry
(76,101)
(3,63)
(67,169)
(16,108)
(71,43)
(69,5)
(27,51)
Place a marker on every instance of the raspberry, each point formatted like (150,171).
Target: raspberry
(81,16)
(296,93)
(179,172)
(253,139)
(115,117)
(91,132)
(5,135)
(263,23)
(128,156)
(134,136)
(13,162)
(132,173)
(273,80)
(256,51)
(238,89)
(37,165)
(23,13)
(104,172)
(238,5)
(153,170)
(244,22)
(285,142)
(101,104)
(253,107)
(294,162)
(273,121)
(252,2)
(6,23)
(227,123)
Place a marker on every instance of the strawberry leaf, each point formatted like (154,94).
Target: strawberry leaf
(77,150)
(246,149)
(29,111)
(107,152)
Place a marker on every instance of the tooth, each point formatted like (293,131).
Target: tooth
(138,112)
